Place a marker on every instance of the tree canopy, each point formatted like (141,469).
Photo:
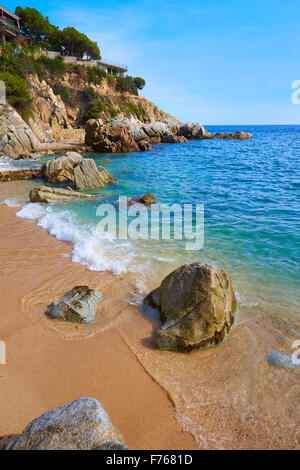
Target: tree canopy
(139,82)
(39,31)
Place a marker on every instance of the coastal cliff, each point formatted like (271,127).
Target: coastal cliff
(61,105)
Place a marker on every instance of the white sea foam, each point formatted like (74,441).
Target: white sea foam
(98,253)
(8,164)
(12,202)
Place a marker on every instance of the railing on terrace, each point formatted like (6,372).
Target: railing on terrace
(112,63)
(12,29)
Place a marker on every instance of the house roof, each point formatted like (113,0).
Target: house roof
(9,12)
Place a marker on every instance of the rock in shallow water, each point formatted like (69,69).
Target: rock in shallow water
(79,305)
(285,361)
(197,306)
(88,176)
(79,425)
(61,169)
(46,194)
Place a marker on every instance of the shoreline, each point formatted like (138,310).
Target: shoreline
(222,398)
(44,370)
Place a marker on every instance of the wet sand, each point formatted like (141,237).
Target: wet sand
(227,397)
(49,364)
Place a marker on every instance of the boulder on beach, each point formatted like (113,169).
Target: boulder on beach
(47,194)
(82,424)
(79,305)
(72,167)
(197,306)
(61,169)
(88,176)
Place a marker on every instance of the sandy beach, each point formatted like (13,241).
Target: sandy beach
(227,397)
(48,366)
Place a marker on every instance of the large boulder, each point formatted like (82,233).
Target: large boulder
(61,169)
(197,306)
(88,176)
(109,138)
(16,137)
(192,130)
(46,194)
(82,424)
(79,305)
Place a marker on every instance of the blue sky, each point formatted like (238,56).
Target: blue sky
(216,62)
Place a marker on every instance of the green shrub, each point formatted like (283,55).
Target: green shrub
(139,82)
(63,92)
(94,111)
(17,93)
(53,66)
(100,105)
(126,84)
(96,74)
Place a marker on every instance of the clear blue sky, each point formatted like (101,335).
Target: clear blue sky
(216,62)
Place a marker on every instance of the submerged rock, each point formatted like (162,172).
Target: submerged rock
(197,306)
(82,424)
(46,194)
(61,169)
(79,305)
(147,200)
(285,361)
(88,176)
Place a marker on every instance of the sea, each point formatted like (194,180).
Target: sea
(249,192)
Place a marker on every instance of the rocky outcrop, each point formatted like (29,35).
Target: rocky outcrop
(171,131)
(197,306)
(61,169)
(88,176)
(79,305)
(239,135)
(192,130)
(153,132)
(50,117)
(16,137)
(11,175)
(82,424)
(111,138)
(46,194)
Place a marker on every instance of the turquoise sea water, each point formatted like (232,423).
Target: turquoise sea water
(250,191)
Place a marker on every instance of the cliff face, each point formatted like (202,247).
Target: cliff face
(57,119)
(16,137)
